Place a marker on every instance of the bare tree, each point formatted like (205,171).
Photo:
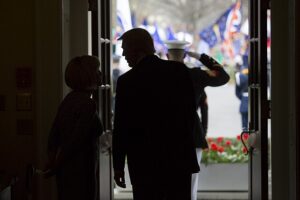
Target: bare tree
(194,15)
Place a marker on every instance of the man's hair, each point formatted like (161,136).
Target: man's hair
(81,72)
(176,54)
(139,39)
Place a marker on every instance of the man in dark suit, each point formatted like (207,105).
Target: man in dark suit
(154,118)
(241,90)
(215,76)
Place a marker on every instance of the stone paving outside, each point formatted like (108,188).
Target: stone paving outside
(223,111)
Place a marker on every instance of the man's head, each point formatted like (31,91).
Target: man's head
(176,50)
(176,55)
(136,43)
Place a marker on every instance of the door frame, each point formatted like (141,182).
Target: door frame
(101,29)
(258,100)
(258,107)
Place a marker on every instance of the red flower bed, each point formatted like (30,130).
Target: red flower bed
(225,150)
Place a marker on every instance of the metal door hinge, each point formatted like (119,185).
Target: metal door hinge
(254,40)
(254,86)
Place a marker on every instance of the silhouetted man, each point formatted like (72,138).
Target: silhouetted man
(154,117)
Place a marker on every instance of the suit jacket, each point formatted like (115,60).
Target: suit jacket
(154,117)
(201,79)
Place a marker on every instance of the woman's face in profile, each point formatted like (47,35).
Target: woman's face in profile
(97,81)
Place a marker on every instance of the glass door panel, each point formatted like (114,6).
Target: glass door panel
(259,104)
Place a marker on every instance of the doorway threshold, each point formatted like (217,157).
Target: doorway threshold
(210,195)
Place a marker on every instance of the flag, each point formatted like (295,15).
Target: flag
(123,23)
(231,21)
(158,43)
(124,15)
(209,36)
(227,24)
(133,19)
(145,22)
(145,25)
(170,34)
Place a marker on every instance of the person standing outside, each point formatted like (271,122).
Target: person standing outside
(241,90)
(215,76)
(73,147)
(154,116)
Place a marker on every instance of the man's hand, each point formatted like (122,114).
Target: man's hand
(206,60)
(105,142)
(50,169)
(193,55)
(120,178)
(209,62)
(54,162)
(47,173)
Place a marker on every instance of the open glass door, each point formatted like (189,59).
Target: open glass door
(101,47)
(258,101)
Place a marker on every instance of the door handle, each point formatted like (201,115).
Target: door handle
(105,87)
(104,40)
(244,143)
(251,141)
